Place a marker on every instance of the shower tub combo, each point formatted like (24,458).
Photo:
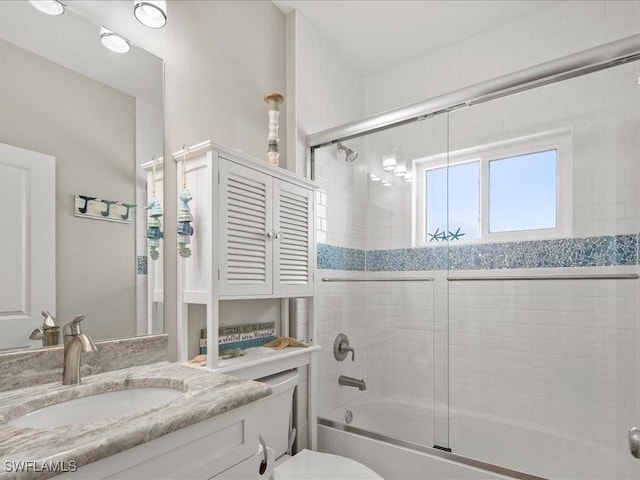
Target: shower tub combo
(520,359)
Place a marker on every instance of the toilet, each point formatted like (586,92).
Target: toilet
(275,428)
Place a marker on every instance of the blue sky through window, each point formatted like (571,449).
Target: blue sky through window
(522,192)
(463,202)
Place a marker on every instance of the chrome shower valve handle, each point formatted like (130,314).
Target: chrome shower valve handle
(341,348)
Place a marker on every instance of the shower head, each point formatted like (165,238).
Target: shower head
(350,155)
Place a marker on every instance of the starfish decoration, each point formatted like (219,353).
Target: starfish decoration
(283,342)
(435,235)
(456,235)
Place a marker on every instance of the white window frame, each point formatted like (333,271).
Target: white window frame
(559,140)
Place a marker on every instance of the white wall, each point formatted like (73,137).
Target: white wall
(220,59)
(562,29)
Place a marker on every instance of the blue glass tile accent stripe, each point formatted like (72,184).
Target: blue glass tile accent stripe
(340,258)
(568,252)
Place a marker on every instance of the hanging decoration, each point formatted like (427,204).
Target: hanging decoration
(154,225)
(185,218)
(273,100)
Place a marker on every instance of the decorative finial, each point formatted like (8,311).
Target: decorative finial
(273,100)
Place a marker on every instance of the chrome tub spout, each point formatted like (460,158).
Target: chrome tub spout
(352,382)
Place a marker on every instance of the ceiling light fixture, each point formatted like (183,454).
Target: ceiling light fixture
(408,177)
(389,162)
(113,41)
(50,7)
(374,178)
(151,13)
(385,183)
(400,170)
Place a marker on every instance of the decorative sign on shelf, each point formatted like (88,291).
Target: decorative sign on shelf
(86,206)
(245,336)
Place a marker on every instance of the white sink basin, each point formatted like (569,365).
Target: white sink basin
(100,406)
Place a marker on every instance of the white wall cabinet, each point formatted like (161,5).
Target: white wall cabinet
(253,239)
(265,233)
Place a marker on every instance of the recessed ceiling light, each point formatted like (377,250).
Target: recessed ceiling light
(50,7)
(113,41)
(152,13)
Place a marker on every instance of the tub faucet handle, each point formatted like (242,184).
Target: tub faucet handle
(341,348)
(634,441)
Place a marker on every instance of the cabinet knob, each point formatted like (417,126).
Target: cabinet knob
(278,235)
(270,234)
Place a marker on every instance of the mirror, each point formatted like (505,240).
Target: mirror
(97,116)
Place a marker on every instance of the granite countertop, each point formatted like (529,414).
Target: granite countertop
(207,394)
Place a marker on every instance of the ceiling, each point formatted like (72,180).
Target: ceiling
(375,35)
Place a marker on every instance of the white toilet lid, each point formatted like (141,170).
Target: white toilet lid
(310,465)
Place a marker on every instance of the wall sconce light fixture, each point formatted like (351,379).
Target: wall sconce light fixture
(113,41)
(50,7)
(151,13)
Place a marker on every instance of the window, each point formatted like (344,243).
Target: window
(514,190)
(523,192)
(458,209)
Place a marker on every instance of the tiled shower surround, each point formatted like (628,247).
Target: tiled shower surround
(567,252)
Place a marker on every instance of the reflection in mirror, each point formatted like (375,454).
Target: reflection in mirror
(77,124)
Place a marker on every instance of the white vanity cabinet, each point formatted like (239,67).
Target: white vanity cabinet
(265,233)
(214,448)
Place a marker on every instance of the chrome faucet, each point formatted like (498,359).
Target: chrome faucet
(75,342)
(49,333)
(352,382)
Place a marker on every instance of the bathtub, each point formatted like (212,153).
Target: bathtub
(394,437)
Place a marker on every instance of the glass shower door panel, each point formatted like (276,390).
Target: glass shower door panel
(400,362)
(544,351)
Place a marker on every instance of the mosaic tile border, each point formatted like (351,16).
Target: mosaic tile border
(567,252)
(341,258)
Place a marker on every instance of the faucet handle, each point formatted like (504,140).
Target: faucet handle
(341,348)
(73,327)
(49,321)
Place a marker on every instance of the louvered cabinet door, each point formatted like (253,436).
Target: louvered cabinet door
(293,216)
(246,213)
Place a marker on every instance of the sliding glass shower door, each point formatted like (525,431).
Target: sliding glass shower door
(385,291)
(543,294)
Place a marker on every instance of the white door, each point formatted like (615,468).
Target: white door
(27,243)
